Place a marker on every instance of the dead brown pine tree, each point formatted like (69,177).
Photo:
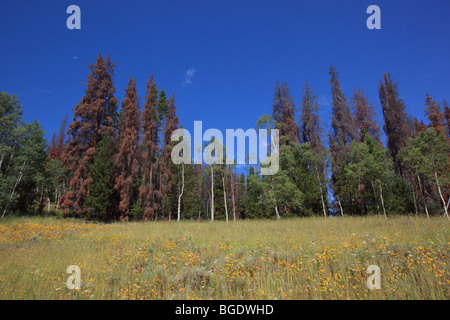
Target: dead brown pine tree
(127,159)
(93,116)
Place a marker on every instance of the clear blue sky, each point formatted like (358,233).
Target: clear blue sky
(239,49)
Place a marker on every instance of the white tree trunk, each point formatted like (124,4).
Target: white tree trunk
(56,199)
(212,194)
(340,206)
(233,201)
(13,190)
(323,202)
(440,194)
(321,195)
(375,196)
(181,194)
(423,198)
(276,206)
(225,198)
(382,201)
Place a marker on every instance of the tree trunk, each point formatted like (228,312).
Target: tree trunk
(13,190)
(321,195)
(276,206)
(340,206)
(440,194)
(423,197)
(48,199)
(225,198)
(375,195)
(414,197)
(181,194)
(212,194)
(56,198)
(323,202)
(382,201)
(233,201)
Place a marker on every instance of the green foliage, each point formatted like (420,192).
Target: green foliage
(98,200)
(22,158)
(362,180)
(427,157)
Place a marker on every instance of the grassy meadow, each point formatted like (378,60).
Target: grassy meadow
(311,258)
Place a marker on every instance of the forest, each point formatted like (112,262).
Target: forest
(113,161)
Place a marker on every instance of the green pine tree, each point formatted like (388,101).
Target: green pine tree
(101,189)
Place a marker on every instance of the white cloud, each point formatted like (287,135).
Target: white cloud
(188,77)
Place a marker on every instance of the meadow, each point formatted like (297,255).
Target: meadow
(309,258)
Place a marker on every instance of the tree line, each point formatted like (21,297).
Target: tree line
(115,163)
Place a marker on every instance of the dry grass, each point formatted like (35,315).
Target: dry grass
(312,258)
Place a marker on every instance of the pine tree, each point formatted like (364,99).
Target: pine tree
(435,115)
(54,169)
(252,206)
(98,202)
(56,145)
(310,124)
(364,113)
(419,126)
(446,109)
(284,114)
(95,115)
(51,149)
(395,118)
(343,131)
(162,111)
(241,196)
(311,133)
(166,166)
(344,128)
(127,160)
(149,150)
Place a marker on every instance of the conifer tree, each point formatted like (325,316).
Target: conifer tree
(343,126)
(419,126)
(395,118)
(435,115)
(149,150)
(162,111)
(127,160)
(343,131)
(95,115)
(99,202)
(167,168)
(311,133)
(364,113)
(310,124)
(241,190)
(446,110)
(284,114)
(56,146)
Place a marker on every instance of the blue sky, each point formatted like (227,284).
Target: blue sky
(222,58)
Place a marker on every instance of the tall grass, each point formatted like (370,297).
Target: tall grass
(312,258)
